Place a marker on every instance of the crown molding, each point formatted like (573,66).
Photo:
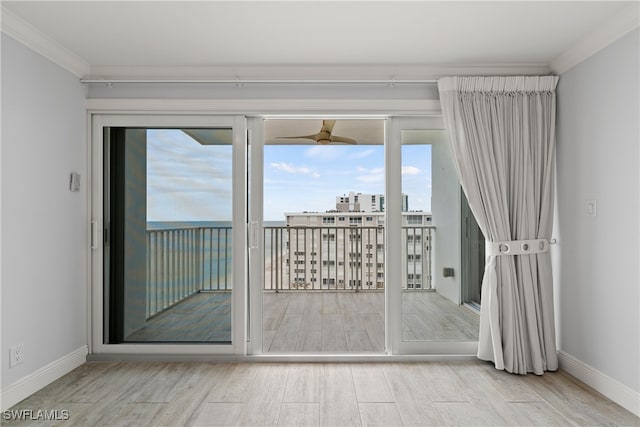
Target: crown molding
(30,36)
(614,28)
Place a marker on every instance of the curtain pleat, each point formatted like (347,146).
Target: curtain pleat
(502,132)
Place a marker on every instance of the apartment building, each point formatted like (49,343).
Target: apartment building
(345,249)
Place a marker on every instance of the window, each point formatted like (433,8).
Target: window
(414,219)
(329,220)
(355,220)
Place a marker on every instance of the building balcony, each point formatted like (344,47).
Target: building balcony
(318,294)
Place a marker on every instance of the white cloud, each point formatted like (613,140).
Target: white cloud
(370,175)
(361,154)
(290,168)
(410,170)
(324,152)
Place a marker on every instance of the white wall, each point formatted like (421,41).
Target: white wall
(598,256)
(445,207)
(44,225)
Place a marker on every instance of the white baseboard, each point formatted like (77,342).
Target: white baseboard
(44,376)
(613,389)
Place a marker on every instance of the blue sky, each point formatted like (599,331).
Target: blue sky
(309,177)
(187,181)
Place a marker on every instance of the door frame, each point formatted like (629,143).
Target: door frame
(239,233)
(401,114)
(394,345)
(256,233)
(393,245)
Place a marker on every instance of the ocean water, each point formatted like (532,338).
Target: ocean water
(164,225)
(167,225)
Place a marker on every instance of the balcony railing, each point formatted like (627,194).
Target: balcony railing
(183,261)
(342,258)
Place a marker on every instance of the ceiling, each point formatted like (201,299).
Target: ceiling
(118,38)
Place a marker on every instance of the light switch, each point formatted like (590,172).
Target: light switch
(591,208)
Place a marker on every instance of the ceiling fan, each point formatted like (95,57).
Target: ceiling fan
(324,136)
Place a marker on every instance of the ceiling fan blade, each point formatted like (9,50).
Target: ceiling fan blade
(336,138)
(327,126)
(314,137)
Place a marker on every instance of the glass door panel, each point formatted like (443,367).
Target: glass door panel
(323,236)
(168,255)
(432,317)
(431,309)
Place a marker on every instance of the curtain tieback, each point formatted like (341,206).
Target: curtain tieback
(517,247)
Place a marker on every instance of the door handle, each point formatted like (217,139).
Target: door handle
(94,235)
(253,234)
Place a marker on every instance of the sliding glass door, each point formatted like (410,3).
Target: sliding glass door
(427,313)
(318,193)
(205,242)
(356,247)
(173,248)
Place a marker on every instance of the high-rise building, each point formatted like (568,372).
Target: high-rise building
(360,202)
(345,249)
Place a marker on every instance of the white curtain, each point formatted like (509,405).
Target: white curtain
(502,131)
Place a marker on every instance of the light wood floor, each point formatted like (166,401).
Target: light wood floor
(204,316)
(314,321)
(354,322)
(319,394)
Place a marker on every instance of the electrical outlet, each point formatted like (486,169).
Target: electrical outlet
(16,355)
